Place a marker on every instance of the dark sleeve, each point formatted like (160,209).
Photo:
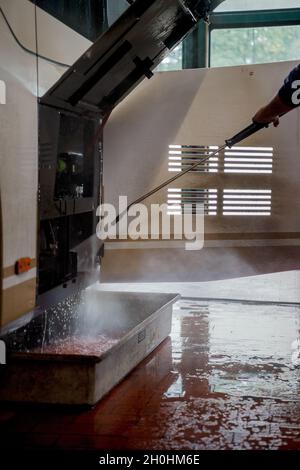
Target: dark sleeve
(286,91)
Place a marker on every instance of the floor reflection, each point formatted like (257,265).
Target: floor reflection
(224,380)
(238,349)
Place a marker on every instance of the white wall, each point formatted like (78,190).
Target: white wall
(58,42)
(24,81)
(18,135)
(203,107)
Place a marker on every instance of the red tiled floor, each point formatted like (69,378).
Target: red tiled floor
(224,381)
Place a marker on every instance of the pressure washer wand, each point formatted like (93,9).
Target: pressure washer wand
(250,130)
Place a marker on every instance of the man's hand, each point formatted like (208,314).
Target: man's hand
(271,112)
(265,116)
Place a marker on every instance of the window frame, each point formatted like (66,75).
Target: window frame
(251,19)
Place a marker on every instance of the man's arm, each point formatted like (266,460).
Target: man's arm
(271,112)
(282,103)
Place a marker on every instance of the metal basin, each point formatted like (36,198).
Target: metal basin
(77,351)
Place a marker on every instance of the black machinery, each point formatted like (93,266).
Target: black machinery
(71,118)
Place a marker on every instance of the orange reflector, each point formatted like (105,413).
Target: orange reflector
(23,265)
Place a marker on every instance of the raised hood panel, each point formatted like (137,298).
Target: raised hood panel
(126,54)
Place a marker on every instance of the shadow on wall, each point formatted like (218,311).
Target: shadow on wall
(152,129)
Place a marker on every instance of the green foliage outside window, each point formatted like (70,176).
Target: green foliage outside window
(254,45)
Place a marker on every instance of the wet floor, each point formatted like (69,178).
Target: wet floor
(227,379)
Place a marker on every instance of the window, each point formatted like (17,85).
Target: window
(253,160)
(187,200)
(182,157)
(248,160)
(241,202)
(234,162)
(253,32)
(248,5)
(172,62)
(115,9)
(2,92)
(239,46)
